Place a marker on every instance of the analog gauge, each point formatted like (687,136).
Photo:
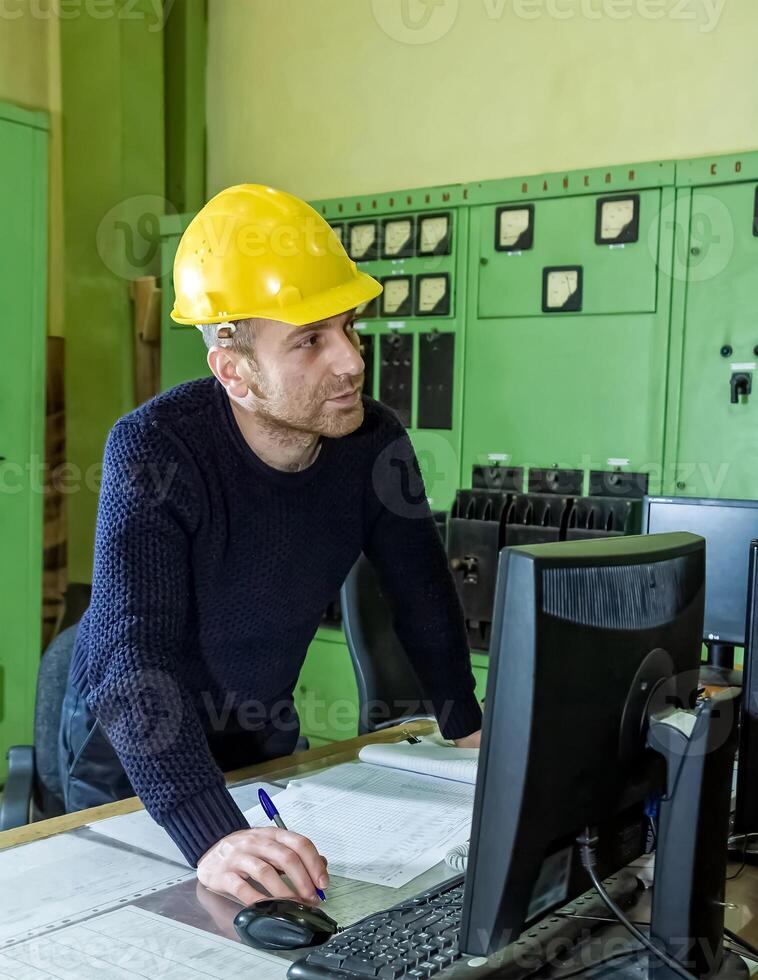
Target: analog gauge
(617,220)
(365,310)
(397,238)
(433,295)
(562,289)
(363,238)
(514,228)
(434,234)
(397,298)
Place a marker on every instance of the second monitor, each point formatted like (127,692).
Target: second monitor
(728,527)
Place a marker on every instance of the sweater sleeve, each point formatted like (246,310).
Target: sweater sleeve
(403,544)
(136,652)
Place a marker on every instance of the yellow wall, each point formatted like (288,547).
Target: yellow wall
(30,77)
(328,97)
(24,63)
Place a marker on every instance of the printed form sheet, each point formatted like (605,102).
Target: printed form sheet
(63,879)
(132,942)
(374,824)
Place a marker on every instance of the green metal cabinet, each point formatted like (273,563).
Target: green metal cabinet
(183,352)
(326,695)
(711,438)
(415,352)
(576,388)
(23,261)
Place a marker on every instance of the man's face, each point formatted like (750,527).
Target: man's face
(307,378)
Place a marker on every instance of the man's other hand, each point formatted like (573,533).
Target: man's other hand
(470,741)
(263,855)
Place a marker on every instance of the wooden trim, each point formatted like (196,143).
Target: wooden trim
(287,768)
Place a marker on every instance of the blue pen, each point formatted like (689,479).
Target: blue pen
(273,814)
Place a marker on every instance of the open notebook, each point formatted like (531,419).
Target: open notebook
(430,756)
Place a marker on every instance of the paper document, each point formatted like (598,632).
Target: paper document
(138,829)
(432,756)
(350,901)
(373,824)
(67,877)
(132,942)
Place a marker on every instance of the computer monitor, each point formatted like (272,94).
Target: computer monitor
(745,843)
(728,527)
(596,647)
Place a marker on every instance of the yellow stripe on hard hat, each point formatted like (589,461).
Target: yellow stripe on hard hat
(254,251)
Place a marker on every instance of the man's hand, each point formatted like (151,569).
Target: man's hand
(263,854)
(470,741)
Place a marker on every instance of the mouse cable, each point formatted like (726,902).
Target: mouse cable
(588,843)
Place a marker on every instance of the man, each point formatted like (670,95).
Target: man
(231,510)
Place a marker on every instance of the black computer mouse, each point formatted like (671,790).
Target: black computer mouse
(279,923)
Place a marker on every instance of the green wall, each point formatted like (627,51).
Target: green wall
(133,89)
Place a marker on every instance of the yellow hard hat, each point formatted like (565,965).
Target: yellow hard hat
(254,251)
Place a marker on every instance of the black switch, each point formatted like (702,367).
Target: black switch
(436,369)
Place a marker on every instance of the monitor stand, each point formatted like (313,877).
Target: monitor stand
(687,915)
(719,670)
(689,887)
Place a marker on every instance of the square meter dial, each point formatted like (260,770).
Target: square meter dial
(514,228)
(435,234)
(562,289)
(617,220)
(397,238)
(397,298)
(363,241)
(433,295)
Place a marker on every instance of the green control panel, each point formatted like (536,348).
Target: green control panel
(712,418)
(600,321)
(567,322)
(415,243)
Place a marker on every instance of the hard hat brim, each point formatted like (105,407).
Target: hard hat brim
(330,303)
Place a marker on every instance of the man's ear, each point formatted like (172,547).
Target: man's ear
(224,365)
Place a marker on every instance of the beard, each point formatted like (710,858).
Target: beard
(307,409)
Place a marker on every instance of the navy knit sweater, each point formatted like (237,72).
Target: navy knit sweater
(211,573)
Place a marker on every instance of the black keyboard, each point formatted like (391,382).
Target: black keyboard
(418,938)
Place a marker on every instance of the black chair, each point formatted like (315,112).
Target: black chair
(388,689)
(33,790)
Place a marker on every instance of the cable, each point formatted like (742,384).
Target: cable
(457,857)
(592,918)
(739,941)
(731,948)
(587,844)
(744,838)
